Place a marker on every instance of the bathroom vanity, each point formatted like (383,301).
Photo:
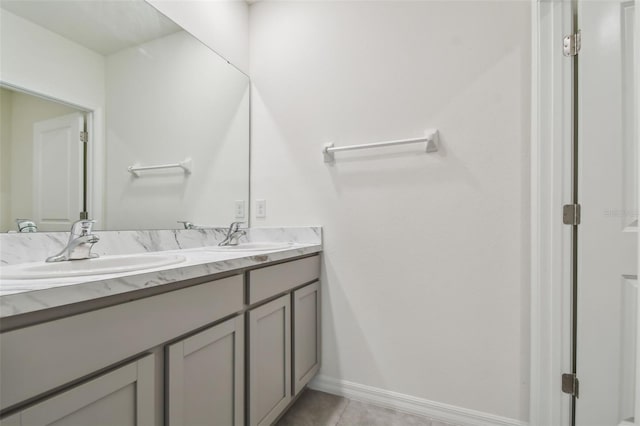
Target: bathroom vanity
(230,347)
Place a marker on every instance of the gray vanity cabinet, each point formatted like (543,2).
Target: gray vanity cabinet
(269,361)
(306,335)
(284,335)
(205,377)
(124,396)
(232,351)
(38,359)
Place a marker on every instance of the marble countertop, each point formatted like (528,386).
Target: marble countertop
(24,296)
(18,297)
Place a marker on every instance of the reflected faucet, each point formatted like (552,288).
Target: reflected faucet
(233,234)
(80,243)
(26,225)
(189,225)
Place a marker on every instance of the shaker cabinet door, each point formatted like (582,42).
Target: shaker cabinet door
(269,360)
(124,396)
(206,377)
(306,335)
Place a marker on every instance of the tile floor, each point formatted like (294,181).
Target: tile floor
(314,408)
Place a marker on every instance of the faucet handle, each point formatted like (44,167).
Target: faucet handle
(235,226)
(82,227)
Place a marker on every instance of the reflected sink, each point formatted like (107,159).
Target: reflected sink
(258,246)
(97,266)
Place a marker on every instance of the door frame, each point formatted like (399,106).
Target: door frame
(551,133)
(550,189)
(95,119)
(637,104)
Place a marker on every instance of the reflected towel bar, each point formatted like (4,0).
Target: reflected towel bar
(431,138)
(184,165)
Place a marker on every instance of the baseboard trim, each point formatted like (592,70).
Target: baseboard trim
(409,404)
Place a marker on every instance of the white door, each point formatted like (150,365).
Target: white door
(58,167)
(607,314)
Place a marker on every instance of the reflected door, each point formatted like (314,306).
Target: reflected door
(607,311)
(58,172)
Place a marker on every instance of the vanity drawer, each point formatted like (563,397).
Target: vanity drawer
(272,280)
(37,359)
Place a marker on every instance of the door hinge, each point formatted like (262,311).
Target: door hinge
(571,214)
(571,44)
(84,137)
(570,384)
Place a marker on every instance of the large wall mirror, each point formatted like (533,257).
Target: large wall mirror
(110,108)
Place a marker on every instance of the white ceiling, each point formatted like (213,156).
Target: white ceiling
(102,26)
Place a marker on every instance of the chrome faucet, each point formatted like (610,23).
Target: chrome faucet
(233,233)
(80,243)
(26,225)
(187,224)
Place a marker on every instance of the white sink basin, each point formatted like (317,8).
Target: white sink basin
(259,246)
(97,266)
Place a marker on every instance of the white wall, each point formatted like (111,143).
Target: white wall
(28,49)
(223,25)
(168,100)
(426,255)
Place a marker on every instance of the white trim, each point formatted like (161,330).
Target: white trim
(96,157)
(96,160)
(637,108)
(550,189)
(410,404)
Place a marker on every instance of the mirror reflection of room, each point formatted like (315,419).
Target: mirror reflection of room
(41,154)
(126,75)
